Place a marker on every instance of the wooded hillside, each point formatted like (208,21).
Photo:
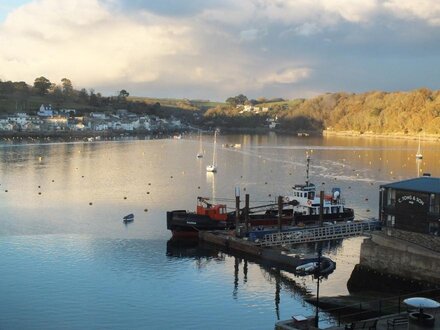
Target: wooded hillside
(374,112)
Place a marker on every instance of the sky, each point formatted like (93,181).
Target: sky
(214,49)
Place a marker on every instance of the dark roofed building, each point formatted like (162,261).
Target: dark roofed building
(412,205)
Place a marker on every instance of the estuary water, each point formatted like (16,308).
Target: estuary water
(68,261)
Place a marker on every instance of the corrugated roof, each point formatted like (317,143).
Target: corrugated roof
(423,184)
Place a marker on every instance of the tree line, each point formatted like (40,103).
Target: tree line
(24,97)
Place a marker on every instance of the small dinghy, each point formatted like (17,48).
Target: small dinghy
(128,218)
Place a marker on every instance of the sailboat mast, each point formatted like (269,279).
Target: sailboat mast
(215,144)
(418,151)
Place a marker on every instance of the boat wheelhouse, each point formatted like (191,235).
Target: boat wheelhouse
(411,205)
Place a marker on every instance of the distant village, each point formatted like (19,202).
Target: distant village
(48,119)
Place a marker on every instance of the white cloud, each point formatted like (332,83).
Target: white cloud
(85,41)
(425,10)
(307,29)
(286,76)
(250,35)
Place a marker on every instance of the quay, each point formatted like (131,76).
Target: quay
(252,250)
(268,248)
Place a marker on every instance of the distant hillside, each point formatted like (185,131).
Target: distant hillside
(182,104)
(375,112)
(21,97)
(372,112)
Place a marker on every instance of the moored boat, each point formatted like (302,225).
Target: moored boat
(210,216)
(305,203)
(207,217)
(128,218)
(316,266)
(213,167)
(302,207)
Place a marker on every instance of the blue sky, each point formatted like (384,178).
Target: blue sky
(212,49)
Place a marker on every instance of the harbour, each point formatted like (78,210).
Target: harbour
(77,251)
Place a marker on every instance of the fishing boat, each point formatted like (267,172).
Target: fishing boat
(128,218)
(419,154)
(304,203)
(213,167)
(200,153)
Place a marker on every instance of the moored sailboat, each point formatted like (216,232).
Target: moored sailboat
(200,153)
(419,154)
(213,167)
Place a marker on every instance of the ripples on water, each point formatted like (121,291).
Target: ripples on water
(68,261)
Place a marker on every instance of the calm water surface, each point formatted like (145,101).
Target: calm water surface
(68,261)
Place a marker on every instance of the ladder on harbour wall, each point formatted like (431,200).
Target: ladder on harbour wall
(326,233)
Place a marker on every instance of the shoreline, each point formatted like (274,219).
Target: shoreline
(83,135)
(400,136)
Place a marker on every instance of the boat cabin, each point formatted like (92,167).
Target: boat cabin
(214,211)
(411,205)
(308,201)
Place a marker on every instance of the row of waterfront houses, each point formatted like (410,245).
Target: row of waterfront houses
(49,119)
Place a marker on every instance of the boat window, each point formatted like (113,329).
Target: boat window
(311,195)
(335,209)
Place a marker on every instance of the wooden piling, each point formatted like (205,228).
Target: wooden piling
(280,213)
(246,214)
(237,213)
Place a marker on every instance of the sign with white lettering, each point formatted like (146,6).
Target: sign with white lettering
(412,202)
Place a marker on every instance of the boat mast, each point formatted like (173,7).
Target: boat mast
(215,144)
(307,170)
(418,150)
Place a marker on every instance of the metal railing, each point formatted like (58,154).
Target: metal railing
(325,233)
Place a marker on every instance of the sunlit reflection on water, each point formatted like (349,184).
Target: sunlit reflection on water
(68,261)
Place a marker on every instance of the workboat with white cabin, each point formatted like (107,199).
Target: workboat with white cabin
(305,203)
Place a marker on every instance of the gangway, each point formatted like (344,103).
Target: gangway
(324,233)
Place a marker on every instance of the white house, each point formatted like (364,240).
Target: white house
(45,111)
(18,120)
(5,125)
(98,115)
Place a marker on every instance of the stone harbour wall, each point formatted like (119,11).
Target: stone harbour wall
(394,256)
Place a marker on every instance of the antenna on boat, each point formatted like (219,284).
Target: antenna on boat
(307,169)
